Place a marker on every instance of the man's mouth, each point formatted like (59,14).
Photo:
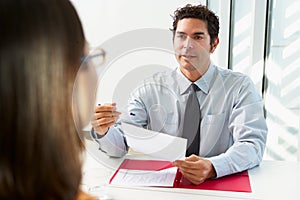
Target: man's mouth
(188,56)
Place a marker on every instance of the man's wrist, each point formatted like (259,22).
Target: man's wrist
(212,172)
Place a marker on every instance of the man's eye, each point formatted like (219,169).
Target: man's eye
(181,36)
(198,37)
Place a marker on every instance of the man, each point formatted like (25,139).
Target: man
(230,130)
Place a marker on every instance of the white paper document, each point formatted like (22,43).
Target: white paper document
(163,177)
(155,144)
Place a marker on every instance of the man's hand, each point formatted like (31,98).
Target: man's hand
(196,169)
(104,117)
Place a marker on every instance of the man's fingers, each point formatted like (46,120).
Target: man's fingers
(103,128)
(193,158)
(189,171)
(100,115)
(193,178)
(104,117)
(103,121)
(186,164)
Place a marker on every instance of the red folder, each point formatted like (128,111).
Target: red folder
(238,182)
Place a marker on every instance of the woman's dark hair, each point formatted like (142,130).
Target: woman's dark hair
(41,43)
(198,12)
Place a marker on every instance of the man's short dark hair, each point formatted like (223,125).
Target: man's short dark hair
(198,12)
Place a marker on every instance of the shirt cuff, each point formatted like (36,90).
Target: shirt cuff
(95,135)
(220,164)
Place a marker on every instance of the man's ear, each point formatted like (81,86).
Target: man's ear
(214,45)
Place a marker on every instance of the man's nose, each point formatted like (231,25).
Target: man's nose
(188,43)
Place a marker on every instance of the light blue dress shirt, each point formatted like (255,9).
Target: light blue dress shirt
(233,129)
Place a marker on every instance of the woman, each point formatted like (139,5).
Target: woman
(40,49)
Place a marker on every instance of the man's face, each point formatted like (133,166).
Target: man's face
(192,45)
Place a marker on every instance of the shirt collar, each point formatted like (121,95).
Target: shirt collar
(203,83)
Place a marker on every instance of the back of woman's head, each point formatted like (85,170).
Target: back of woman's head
(41,43)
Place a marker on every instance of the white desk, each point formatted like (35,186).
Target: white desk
(271,180)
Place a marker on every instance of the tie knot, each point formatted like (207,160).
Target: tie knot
(194,87)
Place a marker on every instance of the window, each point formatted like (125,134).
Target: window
(262,40)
